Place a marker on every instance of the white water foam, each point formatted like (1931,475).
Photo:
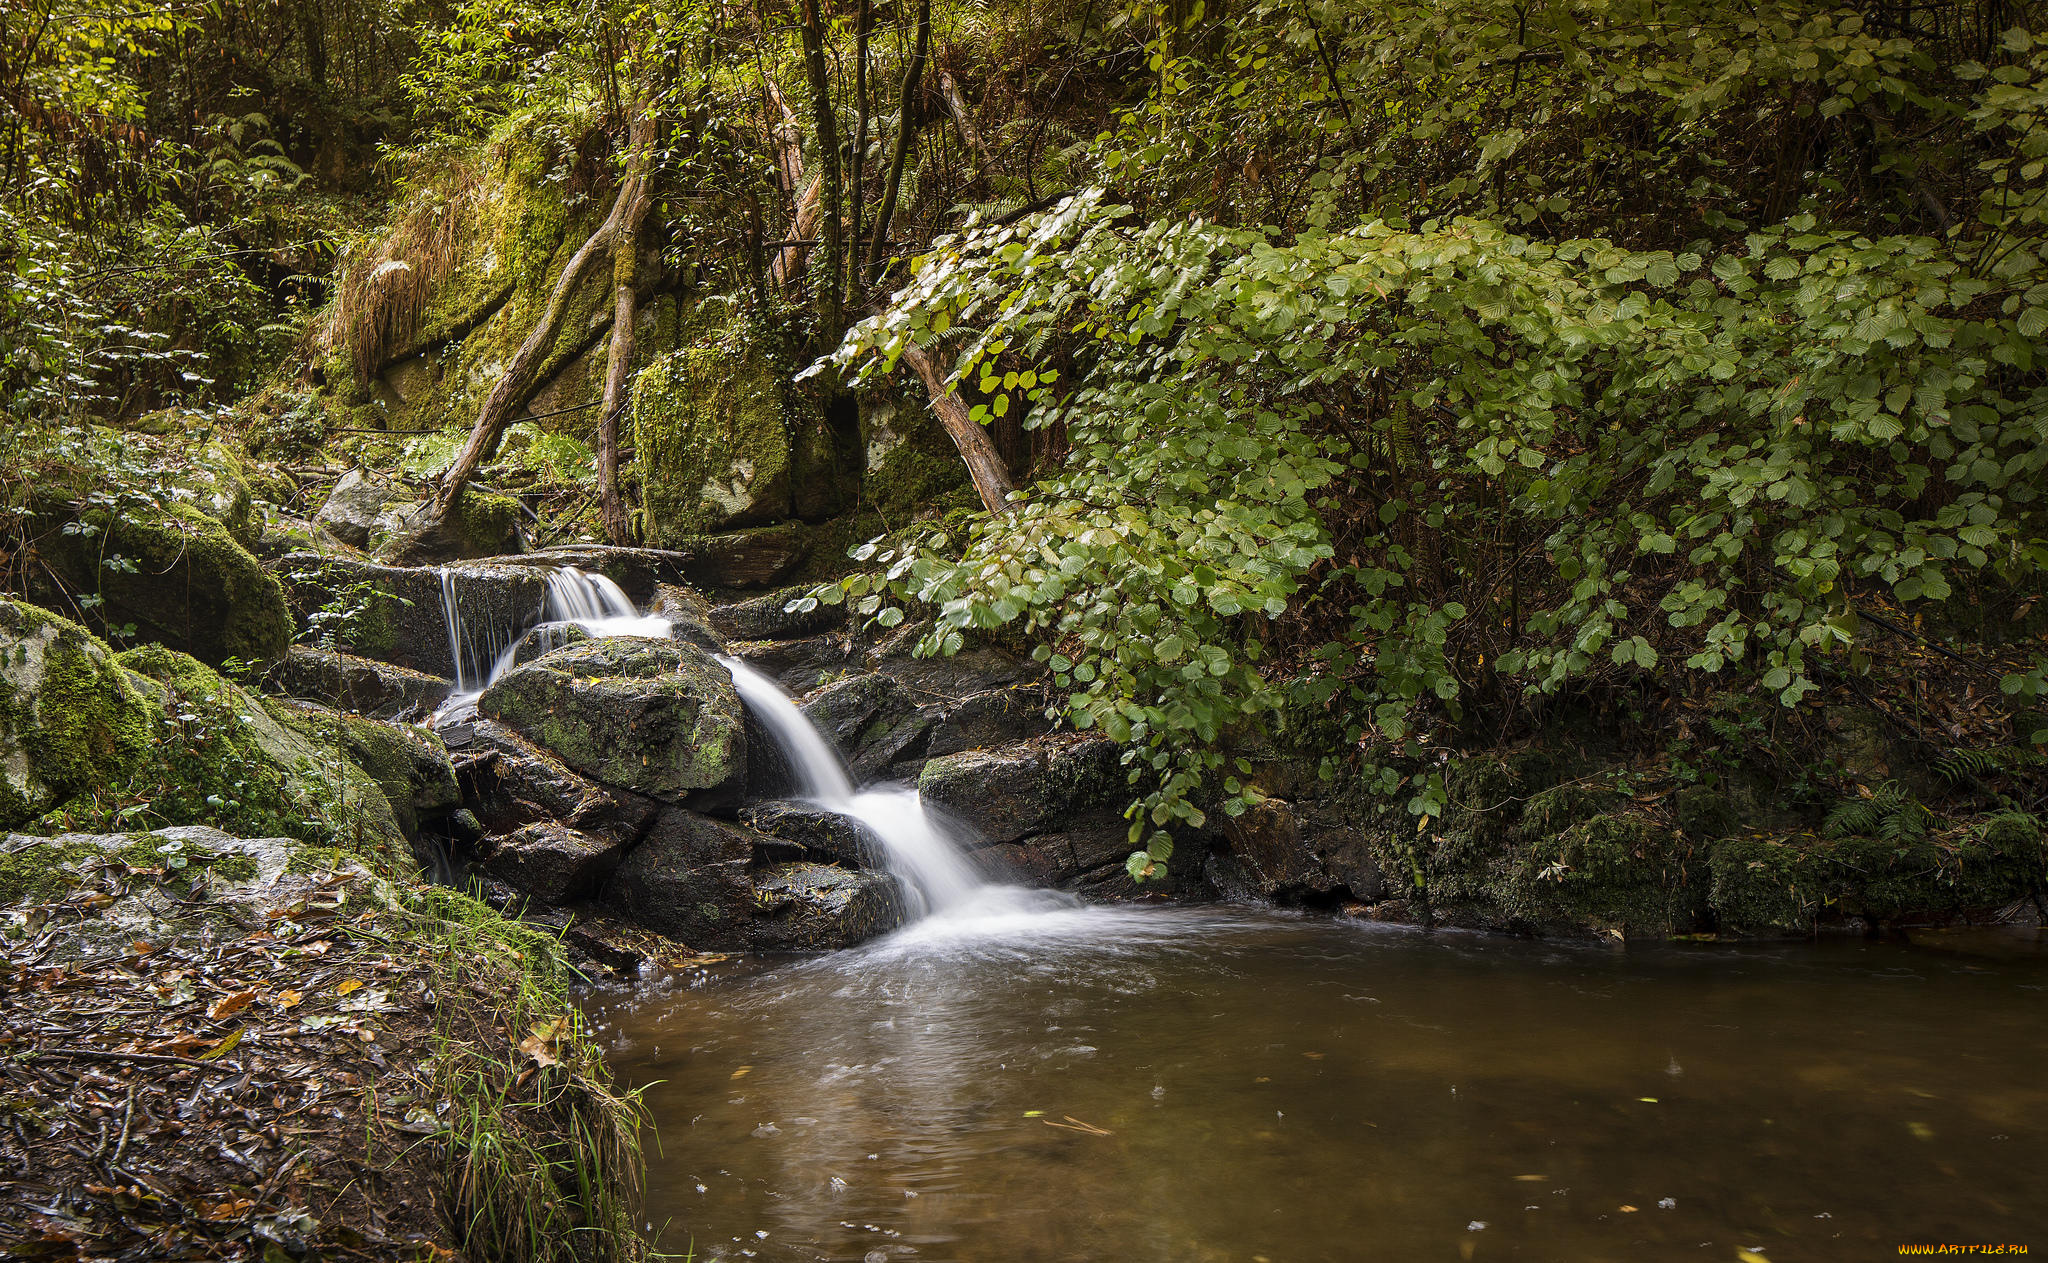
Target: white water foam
(574,599)
(942,884)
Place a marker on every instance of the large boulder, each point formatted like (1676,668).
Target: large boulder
(655,717)
(689,879)
(396,614)
(363,685)
(165,573)
(758,558)
(479,524)
(226,759)
(816,907)
(360,509)
(1012,793)
(711,446)
(71,721)
(408,762)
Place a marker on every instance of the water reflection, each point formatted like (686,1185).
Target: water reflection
(1140,1084)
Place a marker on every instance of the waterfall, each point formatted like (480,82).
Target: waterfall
(574,599)
(938,877)
(477,650)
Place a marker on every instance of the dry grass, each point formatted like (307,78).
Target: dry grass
(387,282)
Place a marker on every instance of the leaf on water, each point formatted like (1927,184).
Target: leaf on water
(742,1072)
(229,1005)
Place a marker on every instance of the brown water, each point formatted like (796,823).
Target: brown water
(1250,1086)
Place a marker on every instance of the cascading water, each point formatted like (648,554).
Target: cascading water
(574,599)
(939,879)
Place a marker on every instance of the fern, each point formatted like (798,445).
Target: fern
(1961,765)
(1889,813)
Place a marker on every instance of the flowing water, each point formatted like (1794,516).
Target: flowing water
(484,650)
(1014,1076)
(1183,1085)
(939,881)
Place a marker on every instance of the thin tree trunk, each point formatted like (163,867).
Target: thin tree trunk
(788,266)
(860,149)
(826,121)
(636,195)
(984,463)
(963,121)
(517,378)
(906,135)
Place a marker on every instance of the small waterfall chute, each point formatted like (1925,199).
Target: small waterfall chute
(484,650)
(940,880)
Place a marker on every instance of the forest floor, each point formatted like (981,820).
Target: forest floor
(198,1086)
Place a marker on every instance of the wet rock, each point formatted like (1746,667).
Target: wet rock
(394,613)
(689,616)
(875,723)
(746,559)
(639,572)
(1011,793)
(543,640)
(1267,845)
(509,782)
(183,581)
(815,833)
(766,618)
(689,879)
(998,717)
(551,862)
(364,685)
(358,510)
(816,907)
(1030,863)
(799,666)
(655,717)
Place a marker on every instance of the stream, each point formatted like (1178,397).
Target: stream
(1211,1084)
(1017,1075)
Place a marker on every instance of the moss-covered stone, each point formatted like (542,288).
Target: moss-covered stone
(166,573)
(408,763)
(479,524)
(1793,884)
(657,717)
(912,468)
(70,720)
(710,442)
(223,759)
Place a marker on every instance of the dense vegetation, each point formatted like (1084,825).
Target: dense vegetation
(1362,378)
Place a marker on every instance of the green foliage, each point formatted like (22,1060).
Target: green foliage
(1888,813)
(1720,455)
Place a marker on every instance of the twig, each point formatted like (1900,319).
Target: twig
(89,1054)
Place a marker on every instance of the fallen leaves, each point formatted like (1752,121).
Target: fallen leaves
(229,1005)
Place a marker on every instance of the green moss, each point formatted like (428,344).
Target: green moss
(710,441)
(1793,884)
(69,718)
(1613,872)
(170,572)
(47,869)
(1555,810)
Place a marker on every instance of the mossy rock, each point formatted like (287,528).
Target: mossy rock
(1618,872)
(479,524)
(70,719)
(710,442)
(817,907)
(1795,884)
(182,580)
(409,763)
(913,468)
(657,717)
(224,759)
